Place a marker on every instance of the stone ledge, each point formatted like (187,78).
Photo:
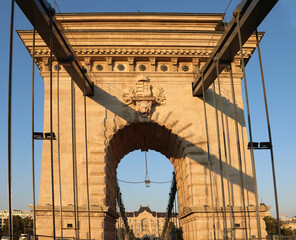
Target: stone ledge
(93,209)
(207,209)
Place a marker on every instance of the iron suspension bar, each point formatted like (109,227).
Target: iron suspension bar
(220,165)
(33,146)
(59,148)
(236,15)
(238,151)
(270,138)
(225,149)
(10,218)
(86,161)
(208,149)
(74,156)
(52,12)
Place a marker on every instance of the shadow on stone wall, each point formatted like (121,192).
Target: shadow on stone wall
(120,109)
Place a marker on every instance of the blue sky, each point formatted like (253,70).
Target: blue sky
(278,50)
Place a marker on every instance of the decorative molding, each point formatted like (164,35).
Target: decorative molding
(45,65)
(142,67)
(88,63)
(120,67)
(163,67)
(196,62)
(131,62)
(174,64)
(57,67)
(153,63)
(193,52)
(185,68)
(99,67)
(109,61)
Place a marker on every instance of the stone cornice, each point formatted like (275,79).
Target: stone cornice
(172,17)
(123,51)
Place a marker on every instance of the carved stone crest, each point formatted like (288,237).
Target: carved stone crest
(143,96)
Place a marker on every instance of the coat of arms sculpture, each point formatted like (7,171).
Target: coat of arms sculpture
(144,96)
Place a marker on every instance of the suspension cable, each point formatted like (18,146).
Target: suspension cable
(237,15)
(52,12)
(59,147)
(74,154)
(238,150)
(10,218)
(138,182)
(225,148)
(147,180)
(208,149)
(220,163)
(33,146)
(269,135)
(86,159)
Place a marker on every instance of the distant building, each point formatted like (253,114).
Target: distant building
(146,224)
(22,213)
(284,217)
(291,222)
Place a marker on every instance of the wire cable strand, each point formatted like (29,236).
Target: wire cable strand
(10,217)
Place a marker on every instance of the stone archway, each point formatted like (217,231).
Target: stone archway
(151,135)
(128,112)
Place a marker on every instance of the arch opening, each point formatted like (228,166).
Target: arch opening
(160,142)
(143,136)
(145,207)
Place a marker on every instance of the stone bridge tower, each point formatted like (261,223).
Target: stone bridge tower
(142,66)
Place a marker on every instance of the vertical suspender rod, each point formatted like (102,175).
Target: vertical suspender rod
(270,138)
(86,159)
(236,14)
(238,151)
(225,236)
(225,148)
(33,146)
(59,148)
(10,218)
(52,12)
(208,149)
(74,155)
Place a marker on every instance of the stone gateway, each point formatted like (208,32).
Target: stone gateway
(143,66)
